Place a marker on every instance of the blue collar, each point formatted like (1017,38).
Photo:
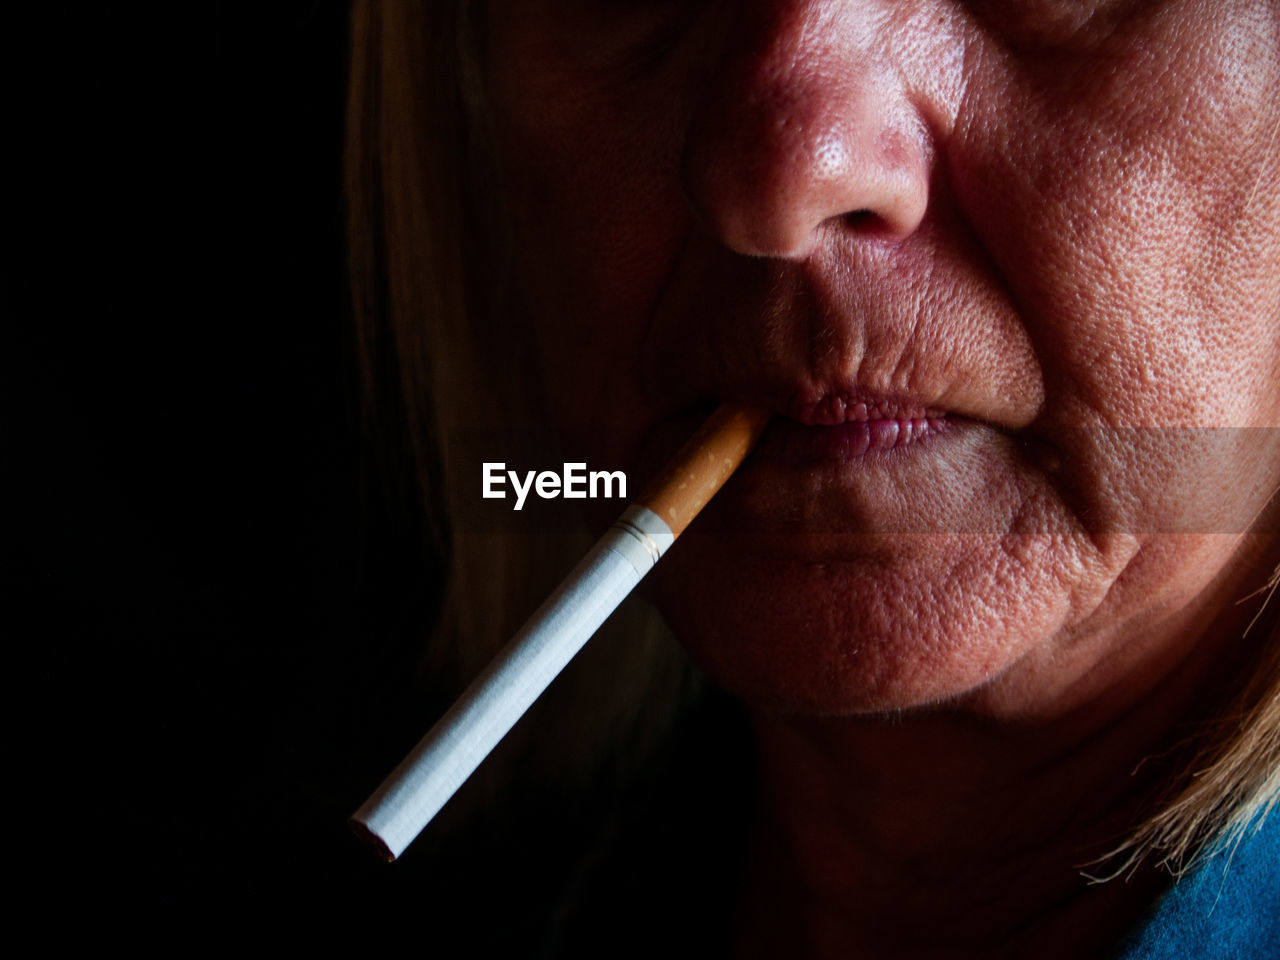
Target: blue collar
(1226,908)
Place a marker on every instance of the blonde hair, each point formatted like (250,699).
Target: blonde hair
(416,135)
(1230,776)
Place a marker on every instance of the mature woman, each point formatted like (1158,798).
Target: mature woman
(1008,275)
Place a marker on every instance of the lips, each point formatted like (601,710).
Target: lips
(843,427)
(846,442)
(845,406)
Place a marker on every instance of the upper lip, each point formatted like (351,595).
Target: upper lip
(828,407)
(842,339)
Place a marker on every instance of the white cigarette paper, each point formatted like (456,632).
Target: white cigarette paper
(450,752)
(455,746)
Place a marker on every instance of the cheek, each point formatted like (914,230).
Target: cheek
(1123,208)
(1134,216)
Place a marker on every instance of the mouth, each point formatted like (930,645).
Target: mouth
(840,464)
(844,427)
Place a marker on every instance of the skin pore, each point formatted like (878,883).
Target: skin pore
(1035,242)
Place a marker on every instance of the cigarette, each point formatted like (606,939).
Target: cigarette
(450,752)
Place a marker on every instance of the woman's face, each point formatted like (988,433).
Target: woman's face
(1008,271)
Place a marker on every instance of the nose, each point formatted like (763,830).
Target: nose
(806,128)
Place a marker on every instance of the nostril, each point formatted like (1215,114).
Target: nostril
(864,221)
(872,224)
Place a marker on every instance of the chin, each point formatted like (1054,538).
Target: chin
(869,624)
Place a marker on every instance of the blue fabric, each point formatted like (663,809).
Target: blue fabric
(1227,908)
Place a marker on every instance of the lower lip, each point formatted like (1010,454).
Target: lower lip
(846,442)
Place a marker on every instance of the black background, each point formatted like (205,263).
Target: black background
(215,594)
(212,605)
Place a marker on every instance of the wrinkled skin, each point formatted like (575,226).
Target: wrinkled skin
(1050,226)
(1044,222)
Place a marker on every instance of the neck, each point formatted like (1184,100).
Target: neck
(950,832)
